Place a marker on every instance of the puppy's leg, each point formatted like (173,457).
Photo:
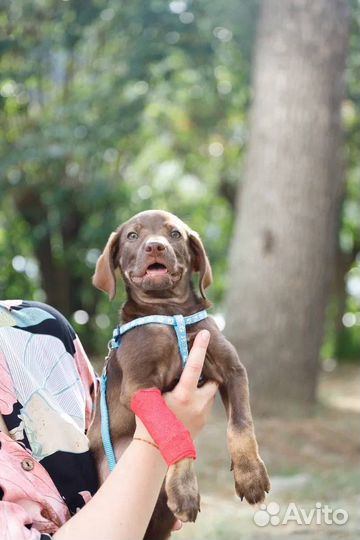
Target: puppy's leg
(177,448)
(251,478)
(170,434)
(182,490)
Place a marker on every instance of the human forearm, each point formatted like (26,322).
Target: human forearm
(122,507)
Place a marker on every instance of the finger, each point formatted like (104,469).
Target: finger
(177,525)
(208,390)
(192,370)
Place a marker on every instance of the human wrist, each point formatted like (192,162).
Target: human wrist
(146,441)
(142,433)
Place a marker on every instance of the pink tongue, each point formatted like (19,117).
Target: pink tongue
(156,271)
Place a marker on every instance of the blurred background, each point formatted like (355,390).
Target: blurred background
(242,117)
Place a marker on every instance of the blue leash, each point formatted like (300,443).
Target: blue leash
(105,424)
(179,322)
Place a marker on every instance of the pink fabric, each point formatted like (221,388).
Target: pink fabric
(30,497)
(86,373)
(7,393)
(169,433)
(13,519)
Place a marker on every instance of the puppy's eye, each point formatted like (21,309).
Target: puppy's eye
(175,234)
(132,235)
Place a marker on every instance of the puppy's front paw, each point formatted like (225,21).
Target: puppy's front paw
(251,479)
(186,507)
(182,490)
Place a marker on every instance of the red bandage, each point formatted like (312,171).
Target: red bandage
(171,436)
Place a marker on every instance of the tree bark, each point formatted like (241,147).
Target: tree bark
(285,233)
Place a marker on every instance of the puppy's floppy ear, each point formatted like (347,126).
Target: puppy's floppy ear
(200,262)
(104,277)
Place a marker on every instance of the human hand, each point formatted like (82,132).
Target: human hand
(191,405)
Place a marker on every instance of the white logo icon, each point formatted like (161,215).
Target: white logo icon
(267,514)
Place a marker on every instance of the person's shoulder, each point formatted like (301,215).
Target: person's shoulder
(50,310)
(38,318)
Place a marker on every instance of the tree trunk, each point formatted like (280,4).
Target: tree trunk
(285,233)
(54,275)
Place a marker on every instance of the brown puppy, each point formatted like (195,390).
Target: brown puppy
(156,255)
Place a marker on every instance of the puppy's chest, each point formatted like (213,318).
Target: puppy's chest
(153,351)
(154,342)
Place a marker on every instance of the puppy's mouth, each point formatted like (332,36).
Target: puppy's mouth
(156,275)
(156,269)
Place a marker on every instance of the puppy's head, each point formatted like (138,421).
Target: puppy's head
(153,251)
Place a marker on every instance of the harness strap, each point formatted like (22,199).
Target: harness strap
(180,329)
(179,322)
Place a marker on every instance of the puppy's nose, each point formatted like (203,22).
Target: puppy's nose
(154,247)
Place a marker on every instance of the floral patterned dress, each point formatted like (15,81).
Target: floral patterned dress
(47,391)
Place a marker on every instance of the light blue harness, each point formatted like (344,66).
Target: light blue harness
(179,323)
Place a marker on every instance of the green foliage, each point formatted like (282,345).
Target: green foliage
(108,108)
(342,341)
